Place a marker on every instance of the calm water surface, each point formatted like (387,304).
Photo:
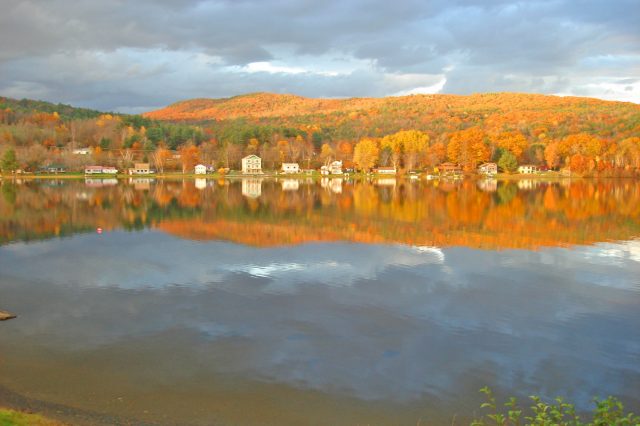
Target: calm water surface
(328,302)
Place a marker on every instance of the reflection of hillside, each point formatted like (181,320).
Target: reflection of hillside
(463,214)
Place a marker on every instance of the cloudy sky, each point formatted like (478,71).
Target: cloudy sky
(139,55)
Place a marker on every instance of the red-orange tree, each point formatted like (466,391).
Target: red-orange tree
(468,148)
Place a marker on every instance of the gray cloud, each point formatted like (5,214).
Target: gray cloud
(136,55)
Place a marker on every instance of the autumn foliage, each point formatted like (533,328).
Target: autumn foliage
(580,135)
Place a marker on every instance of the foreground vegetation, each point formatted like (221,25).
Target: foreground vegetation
(607,412)
(18,418)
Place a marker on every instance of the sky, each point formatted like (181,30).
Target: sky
(135,56)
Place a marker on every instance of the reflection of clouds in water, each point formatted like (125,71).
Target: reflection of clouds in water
(93,260)
(390,322)
(606,252)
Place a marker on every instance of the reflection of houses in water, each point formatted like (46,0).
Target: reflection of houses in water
(488,185)
(141,184)
(200,183)
(290,184)
(385,182)
(528,184)
(99,183)
(252,188)
(333,185)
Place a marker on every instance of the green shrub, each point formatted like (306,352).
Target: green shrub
(607,412)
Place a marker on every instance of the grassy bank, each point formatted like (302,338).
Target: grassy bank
(549,176)
(18,418)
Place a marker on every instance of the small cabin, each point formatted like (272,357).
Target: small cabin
(82,151)
(99,170)
(201,169)
(335,168)
(290,168)
(488,169)
(449,169)
(140,169)
(527,169)
(93,170)
(54,168)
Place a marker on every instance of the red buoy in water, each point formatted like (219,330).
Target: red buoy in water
(99,230)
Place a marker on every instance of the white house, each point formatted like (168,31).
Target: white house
(527,169)
(201,169)
(386,170)
(252,165)
(82,151)
(488,169)
(100,170)
(93,170)
(334,168)
(140,169)
(290,168)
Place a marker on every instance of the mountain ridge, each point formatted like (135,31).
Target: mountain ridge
(266,104)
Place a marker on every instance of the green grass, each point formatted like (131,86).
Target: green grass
(18,418)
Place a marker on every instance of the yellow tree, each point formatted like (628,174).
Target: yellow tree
(511,141)
(252,146)
(587,146)
(551,155)
(415,145)
(326,154)
(365,154)
(467,148)
(393,143)
(581,143)
(284,150)
(628,152)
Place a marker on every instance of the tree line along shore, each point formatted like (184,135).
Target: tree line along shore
(577,136)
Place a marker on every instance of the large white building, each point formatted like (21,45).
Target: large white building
(252,165)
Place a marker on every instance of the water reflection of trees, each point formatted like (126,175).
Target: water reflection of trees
(448,213)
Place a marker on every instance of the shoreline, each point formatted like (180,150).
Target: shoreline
(315,176)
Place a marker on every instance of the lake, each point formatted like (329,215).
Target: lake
(282,301)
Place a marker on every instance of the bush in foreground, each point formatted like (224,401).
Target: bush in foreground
(607,412)
(18,418)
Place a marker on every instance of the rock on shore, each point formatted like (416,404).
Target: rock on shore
(6,316)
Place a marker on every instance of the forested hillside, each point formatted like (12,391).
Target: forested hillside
(587,136)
